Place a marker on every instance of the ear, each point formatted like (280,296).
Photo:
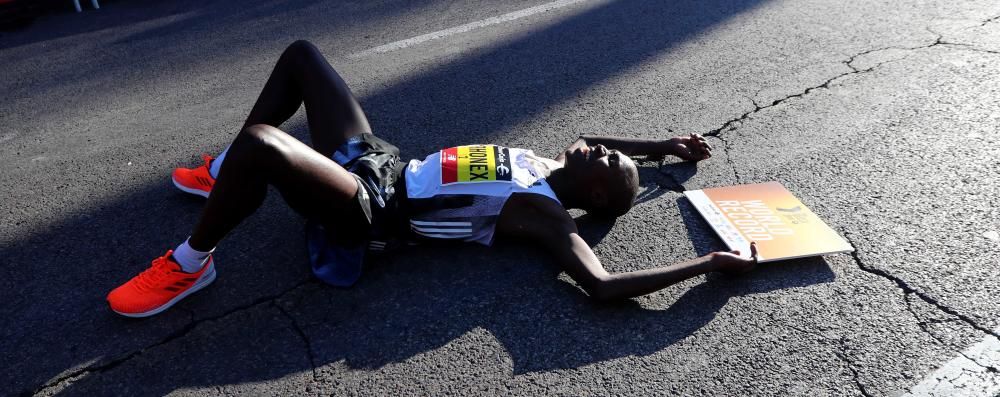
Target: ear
(598,198)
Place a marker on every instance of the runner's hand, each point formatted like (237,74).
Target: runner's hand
(691,147)
(732,263)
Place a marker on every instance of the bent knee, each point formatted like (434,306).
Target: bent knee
(301,49)
(263,137)
(300,45)
(261,132)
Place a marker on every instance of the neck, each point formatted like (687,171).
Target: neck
(563,186)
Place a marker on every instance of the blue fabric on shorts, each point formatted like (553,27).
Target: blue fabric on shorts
(334,264)
(376,166)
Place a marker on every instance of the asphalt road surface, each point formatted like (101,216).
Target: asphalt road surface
(881,116)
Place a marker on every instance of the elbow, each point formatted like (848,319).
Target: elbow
(601,289)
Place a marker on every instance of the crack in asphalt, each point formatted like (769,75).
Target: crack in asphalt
(729,159)
(729,124)
(850,365)
(841,354)
(989,20)
(921,322)
(989,368)
(907,289)
(970,47)
(180,333)
(302,335)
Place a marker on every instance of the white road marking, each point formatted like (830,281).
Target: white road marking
(396,45)
(972,373)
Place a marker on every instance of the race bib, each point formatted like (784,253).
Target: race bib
(475,163)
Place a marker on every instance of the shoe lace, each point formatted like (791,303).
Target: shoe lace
(152,277)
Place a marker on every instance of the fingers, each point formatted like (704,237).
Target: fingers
(704,142)
(753,252)
(692,147)
(699,146)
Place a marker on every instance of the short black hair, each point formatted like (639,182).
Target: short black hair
(621,196)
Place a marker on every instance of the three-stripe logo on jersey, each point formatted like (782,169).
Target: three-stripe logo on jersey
(376,245)
(451,230)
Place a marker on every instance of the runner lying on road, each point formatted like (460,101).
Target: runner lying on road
(360,198)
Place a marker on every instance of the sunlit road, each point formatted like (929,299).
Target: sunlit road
(881,116)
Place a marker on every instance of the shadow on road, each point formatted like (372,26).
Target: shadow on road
(543,325)
(421,301)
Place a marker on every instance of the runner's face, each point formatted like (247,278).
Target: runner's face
(597,162)
(601,169)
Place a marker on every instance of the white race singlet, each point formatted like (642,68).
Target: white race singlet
(458,193)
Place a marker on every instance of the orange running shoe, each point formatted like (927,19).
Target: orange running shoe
(159,287)
(195,180)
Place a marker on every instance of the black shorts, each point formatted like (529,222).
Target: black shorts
(337,252)
(376,166)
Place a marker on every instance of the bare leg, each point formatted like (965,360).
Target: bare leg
(311,183)
(302,74)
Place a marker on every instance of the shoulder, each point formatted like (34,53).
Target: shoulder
(533,215)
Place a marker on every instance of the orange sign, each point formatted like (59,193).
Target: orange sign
(768,214)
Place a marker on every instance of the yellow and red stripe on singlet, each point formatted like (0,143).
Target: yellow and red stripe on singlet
(475,163)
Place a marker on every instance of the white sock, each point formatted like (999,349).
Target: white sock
(217,163)
(190,259)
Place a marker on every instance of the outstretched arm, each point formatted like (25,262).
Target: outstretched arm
(579,261)
(690,147)
(557,234)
